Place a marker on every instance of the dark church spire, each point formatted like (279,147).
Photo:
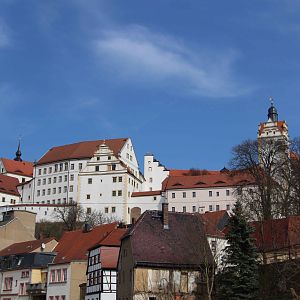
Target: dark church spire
(272,112)
(18,153)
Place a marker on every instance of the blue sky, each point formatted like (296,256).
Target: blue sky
(186,80)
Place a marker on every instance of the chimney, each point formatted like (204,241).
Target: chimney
(165,215)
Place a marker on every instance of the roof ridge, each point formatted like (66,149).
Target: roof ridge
(88,141)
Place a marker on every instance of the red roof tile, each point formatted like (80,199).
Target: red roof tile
(191,172)
(24,247)
(147,193)
(8,185)
(80,150)
(215,222)
(114,238)
(216,179)
(74,245)
(109,257)
(277,234)
(24,168)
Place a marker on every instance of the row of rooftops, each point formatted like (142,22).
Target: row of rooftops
(153,243)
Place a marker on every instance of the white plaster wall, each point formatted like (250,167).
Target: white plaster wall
(63,181)
(16,274)
(7,199)
(146,202)
(154,173)
(25,191)
(202,201)
(60,288)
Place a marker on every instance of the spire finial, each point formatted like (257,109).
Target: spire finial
(272,111)
(18,153)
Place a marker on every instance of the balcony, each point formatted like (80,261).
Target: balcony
(36,288)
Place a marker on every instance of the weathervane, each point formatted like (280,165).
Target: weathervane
(271,100)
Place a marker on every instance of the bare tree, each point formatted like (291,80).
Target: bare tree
(267,164)
(71,215)
(97,217)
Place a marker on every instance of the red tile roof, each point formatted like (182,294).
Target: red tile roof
(181,245)
(23,168)
(114,238)
(215,222)
(147,193)
(277,234)
(24,247)
(109,257)
(191,172)
(215,179)
(80,150)
(8,185)
(74,245)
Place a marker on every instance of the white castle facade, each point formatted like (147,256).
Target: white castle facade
(104,176)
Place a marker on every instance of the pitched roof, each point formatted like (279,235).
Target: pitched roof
(277,234)
(147,193)
(24,247)
(74,245)
(113,238)
(215,222)
(109,257)
(24,168)
(8,185)
(191,172)
(216,179)
(178,246)
(80,150)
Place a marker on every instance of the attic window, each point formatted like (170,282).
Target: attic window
(199,183)
(219,182)
(243,182)
(177,184)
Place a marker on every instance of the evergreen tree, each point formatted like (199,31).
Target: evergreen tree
(239,276)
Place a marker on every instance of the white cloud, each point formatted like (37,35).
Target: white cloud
(140,55)
(4,35)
